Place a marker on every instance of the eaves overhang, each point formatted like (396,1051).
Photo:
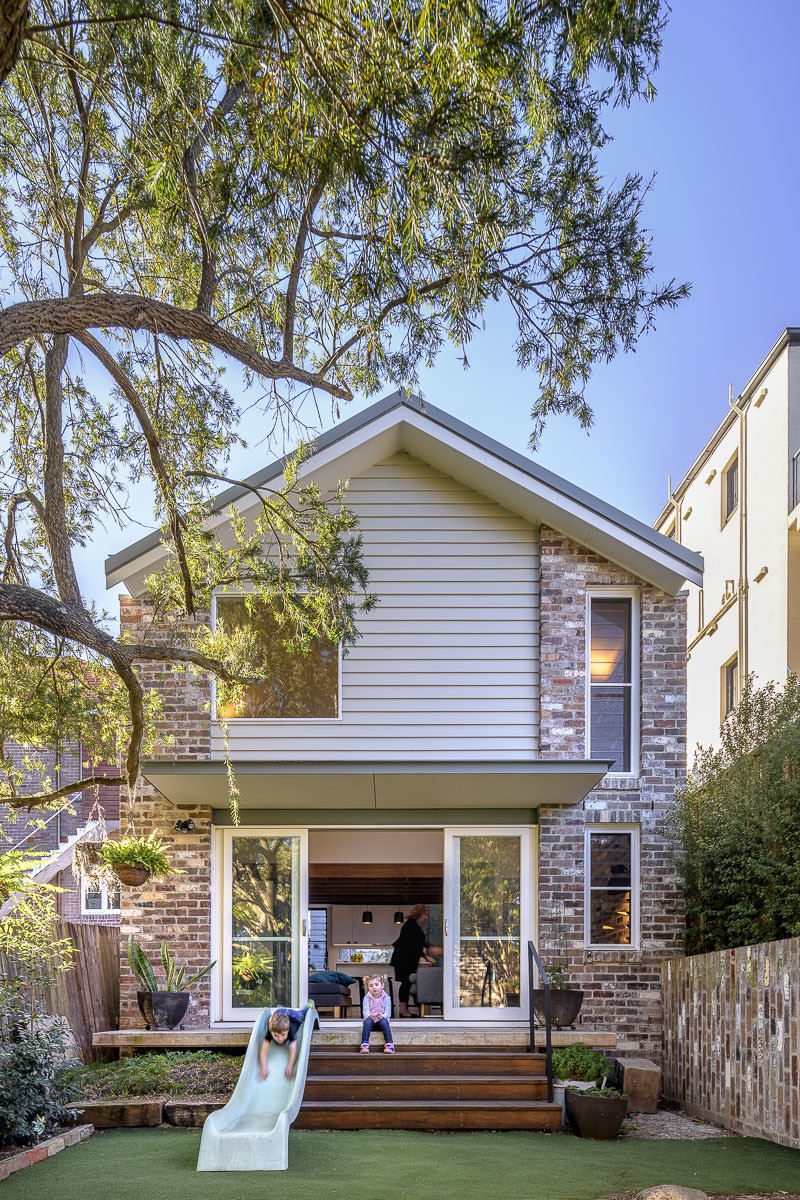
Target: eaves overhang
(511,479)
(384,785)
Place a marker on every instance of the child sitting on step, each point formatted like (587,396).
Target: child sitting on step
(282,1027)
(377,1009)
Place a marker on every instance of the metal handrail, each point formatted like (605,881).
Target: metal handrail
(795,480)
(41,825)
(548,1040)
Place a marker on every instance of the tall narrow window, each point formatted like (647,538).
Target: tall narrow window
(730,685)
(730,488)
(611,677)
(296,685)
(612,882)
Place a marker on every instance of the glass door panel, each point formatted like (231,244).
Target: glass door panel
(264,930)
(487,921)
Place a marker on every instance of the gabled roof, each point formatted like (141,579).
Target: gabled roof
(405,423)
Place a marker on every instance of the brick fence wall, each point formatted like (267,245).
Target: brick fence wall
(622,987)
(732,1038)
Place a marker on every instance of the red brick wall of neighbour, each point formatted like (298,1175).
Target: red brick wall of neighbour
(622,987)
(732,1038)
(178,909)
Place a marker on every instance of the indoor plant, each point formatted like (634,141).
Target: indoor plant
(162,1007)
(597,1112)
(135,859)
(249,968)
(565,1002)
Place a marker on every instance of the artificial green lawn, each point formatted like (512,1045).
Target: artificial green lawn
(136,1163)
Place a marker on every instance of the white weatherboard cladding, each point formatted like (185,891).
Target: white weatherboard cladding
(447,664)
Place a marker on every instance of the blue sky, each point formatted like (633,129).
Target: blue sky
(721,137)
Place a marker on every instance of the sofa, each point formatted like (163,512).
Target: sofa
(331,989)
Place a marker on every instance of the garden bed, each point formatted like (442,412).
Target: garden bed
(173,1075)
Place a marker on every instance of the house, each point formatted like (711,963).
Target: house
(54,834)
(739,506)
(501,744)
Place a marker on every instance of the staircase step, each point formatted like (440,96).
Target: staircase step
(452,1088)
(423,1114)
(417,1061)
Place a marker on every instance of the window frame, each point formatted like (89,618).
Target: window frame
(725,512)
(105,908)
(240,595)
(633,594)
(724,672)
(636,934)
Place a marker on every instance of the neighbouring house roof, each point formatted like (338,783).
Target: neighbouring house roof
(789,337)
(380,786)
(405,423)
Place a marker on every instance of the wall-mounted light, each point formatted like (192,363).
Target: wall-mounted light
(398,918)
(366,916)
(186,826)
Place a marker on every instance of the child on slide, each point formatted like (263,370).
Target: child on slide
(377,1009)
(282,1027)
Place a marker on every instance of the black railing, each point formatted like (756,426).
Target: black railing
(795,481)
(533,957)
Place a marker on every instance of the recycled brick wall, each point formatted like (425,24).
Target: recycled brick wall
(178,909)
(732,1038)
(622,987)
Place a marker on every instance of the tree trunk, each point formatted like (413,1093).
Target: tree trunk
(13,19)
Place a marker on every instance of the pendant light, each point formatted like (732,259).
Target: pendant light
(366,916)
(398,918)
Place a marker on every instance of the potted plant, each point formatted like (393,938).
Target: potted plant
(162,1007)
(597,1112)
(135,859)
(577,1067)
(511,989)
(565,1002)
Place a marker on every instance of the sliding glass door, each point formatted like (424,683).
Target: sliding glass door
(487,898)
(264,920)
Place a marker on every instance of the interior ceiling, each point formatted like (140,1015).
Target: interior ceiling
(402,884)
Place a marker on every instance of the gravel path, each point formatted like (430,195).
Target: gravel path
(667,1124)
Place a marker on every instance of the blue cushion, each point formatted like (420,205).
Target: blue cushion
(331,977)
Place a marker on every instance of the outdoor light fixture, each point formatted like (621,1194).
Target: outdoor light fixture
(366,916)
(184,826)
(398,918)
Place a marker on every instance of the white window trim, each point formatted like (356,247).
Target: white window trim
(239,721)
(614,593)
(635,832)
(105,907)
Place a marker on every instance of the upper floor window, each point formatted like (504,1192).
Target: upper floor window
(730,685)
(98,897)
(611,901)
(297,685)
(612,654)
(730,488)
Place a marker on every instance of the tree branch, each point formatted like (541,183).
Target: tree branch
(74,315)
(12,800)
(314,198)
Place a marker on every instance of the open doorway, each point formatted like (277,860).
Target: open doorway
(362,886)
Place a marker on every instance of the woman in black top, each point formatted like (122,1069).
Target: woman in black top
(408,949)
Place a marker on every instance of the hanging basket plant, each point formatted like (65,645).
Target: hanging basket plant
(135,859)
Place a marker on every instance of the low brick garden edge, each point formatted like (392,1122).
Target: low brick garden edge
(53,1145)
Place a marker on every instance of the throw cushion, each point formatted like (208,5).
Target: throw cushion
(331,977)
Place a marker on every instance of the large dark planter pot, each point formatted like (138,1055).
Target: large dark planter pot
(129,875)
(565,1004)
(163,1010)
(597,1117)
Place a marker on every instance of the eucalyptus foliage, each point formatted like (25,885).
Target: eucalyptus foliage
(736,826)
(201,201)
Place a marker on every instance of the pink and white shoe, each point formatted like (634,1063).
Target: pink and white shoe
(365,1047)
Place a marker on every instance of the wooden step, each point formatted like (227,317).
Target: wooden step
(453,1088)
(423,1114)
(417,1061)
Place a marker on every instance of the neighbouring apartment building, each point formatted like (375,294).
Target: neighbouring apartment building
(739,506)
(501,744)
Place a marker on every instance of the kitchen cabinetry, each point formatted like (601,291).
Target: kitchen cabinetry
(347,928)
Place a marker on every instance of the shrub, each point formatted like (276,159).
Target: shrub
(580,1062)
(736,826)
(36,1083)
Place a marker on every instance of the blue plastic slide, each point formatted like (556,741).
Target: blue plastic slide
(251,1133)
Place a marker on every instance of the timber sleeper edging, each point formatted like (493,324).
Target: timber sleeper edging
(53,1145)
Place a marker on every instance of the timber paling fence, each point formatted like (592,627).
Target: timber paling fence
(88,994)
(732,1038)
